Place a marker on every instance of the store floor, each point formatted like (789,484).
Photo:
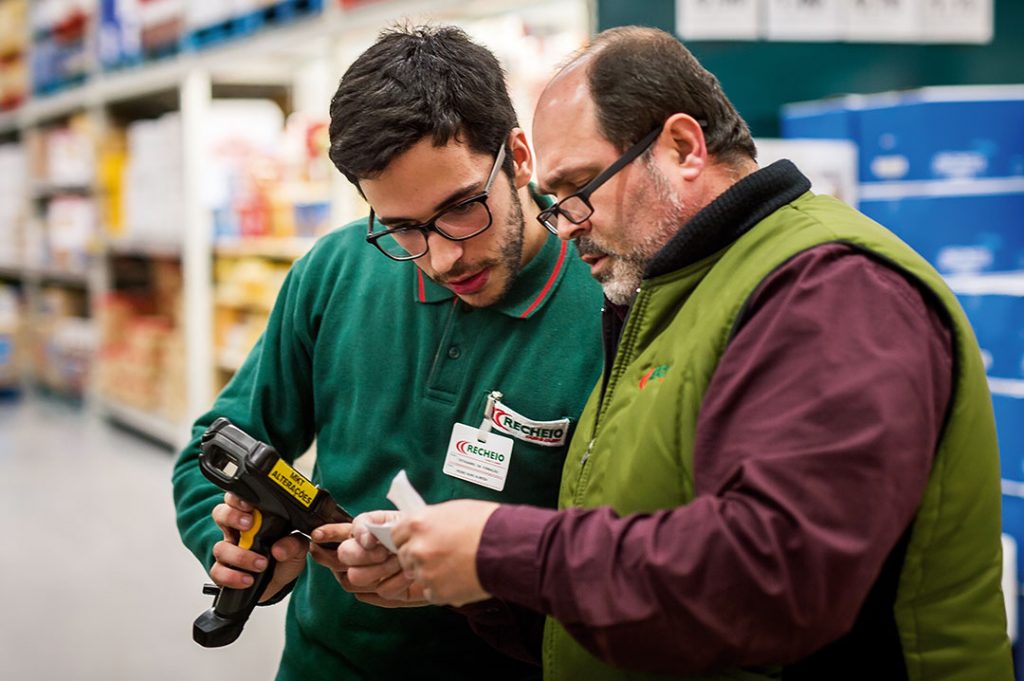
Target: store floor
(94,583)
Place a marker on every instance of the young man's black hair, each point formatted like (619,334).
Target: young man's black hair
(414,83)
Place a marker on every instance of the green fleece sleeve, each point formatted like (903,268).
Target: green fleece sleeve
(270,397)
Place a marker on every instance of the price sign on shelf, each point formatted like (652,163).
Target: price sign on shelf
(883,20)
(717,19)
(803,19)
(957,21)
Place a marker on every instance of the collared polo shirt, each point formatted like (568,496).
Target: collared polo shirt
(377,364)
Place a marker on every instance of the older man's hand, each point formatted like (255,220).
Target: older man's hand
(437,549)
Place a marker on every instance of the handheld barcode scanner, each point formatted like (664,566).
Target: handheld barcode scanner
(285,501)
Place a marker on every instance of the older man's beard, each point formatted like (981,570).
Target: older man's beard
(621,280)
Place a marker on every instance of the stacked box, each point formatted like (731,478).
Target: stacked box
(995,306)
(941,167)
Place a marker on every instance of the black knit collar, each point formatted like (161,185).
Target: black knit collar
(729,216)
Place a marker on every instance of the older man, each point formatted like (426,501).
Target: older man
(789,466)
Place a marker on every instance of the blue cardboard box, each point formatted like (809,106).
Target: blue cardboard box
(940,133)
(994,304)
(932,136)
(941,167)
(957,233)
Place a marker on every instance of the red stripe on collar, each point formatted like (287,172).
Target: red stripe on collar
(421,292)
(547,285)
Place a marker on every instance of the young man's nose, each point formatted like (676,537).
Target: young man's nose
(443,253)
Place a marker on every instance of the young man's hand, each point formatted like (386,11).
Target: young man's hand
(234,516)
(365,567)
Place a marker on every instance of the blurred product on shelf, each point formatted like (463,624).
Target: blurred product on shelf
(263,179)
(245,291)
(112,159)
(63,341)
(12,204)
(71,232)
(61,162)
(60,43)
(13,53)
(161,26)
(142,352)
(11,343)
(211,22)
(132,31)
(119,34)
(267,178)
(151,184)
(942,167)
(531,44)
(349,4)
(251,283)
(70,159)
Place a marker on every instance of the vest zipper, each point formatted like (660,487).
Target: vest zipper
(586,454)
(622,358)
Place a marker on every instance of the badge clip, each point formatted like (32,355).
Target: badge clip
(485,426)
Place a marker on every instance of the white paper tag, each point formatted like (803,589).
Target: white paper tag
(403,495)
(482,463)
(406,499)
(543,433)
(382,531)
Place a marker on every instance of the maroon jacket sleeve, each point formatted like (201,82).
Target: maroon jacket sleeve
(813,449)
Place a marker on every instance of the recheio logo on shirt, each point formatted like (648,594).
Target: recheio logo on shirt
(506,421)
(467,448)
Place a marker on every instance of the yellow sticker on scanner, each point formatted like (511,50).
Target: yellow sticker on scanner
(294,483)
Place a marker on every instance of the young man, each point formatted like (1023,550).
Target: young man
(789,467)
(378,354)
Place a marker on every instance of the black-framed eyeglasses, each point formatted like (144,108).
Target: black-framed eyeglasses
(576,207)
(463,220)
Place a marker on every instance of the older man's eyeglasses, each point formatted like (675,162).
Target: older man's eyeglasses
(576,207)
(463,220)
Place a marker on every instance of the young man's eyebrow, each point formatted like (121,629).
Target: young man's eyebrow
(453,197)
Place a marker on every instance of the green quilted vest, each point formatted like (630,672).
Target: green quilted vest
(633,449)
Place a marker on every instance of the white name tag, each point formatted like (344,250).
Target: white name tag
(482,463)
(543,433)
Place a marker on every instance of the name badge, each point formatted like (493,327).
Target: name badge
(478,457)
(543,433)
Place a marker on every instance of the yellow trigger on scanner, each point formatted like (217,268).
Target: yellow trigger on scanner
(245,541)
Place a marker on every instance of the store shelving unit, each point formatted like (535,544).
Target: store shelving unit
(302,59)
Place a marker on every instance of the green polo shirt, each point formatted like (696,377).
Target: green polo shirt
(377,363)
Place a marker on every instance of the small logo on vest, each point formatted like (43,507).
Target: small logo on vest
(656,374)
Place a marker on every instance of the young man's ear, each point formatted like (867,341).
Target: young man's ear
(522,157)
